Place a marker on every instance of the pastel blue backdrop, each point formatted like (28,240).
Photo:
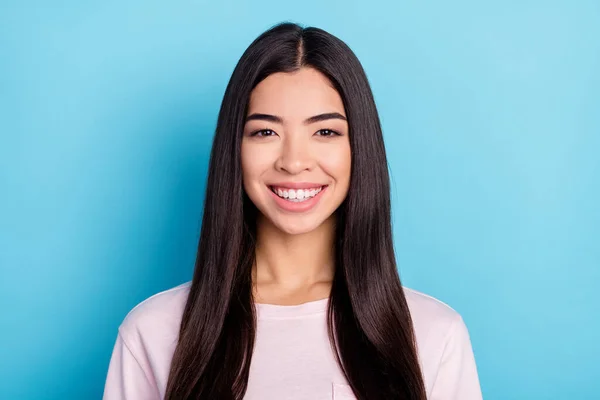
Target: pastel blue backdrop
(491,114)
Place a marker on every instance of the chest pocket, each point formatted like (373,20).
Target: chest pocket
(342,391)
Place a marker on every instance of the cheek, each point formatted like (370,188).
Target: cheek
(337,162)
(254,164)
(247,166)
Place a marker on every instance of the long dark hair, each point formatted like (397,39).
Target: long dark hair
(369,323)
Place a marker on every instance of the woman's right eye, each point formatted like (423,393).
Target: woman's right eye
(263,133)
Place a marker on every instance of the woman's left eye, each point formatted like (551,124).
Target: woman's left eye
(327,132)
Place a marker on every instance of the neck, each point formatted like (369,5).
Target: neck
(292,269)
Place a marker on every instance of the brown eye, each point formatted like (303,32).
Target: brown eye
(327,133)
(264,132)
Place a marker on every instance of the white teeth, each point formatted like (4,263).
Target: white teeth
(297,195)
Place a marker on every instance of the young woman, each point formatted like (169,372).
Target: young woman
(295,293)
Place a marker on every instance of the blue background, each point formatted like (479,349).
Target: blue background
(491,114)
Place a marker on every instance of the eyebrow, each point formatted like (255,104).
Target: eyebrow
(308,121)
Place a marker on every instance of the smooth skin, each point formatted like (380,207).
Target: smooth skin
(296,131)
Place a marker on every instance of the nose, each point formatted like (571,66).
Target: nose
(295,155)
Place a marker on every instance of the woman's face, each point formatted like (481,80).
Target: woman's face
(296,150)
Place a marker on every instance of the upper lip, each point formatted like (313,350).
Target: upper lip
(297,185)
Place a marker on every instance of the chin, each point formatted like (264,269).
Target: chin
(297,227)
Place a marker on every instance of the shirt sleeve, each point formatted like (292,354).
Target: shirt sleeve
(126,379)
(457,377)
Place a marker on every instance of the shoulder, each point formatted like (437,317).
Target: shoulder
(436,324)
(158,316)
(146,341)
(444,348)
(428,311)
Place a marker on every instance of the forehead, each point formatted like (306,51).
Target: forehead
(297,94)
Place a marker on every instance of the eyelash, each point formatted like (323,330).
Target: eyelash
(333,133)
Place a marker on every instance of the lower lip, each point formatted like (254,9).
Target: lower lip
(300,206)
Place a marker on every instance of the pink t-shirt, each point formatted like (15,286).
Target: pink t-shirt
(292,358)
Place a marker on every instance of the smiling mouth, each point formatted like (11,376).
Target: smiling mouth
(297,195)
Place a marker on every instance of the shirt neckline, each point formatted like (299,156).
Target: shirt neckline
(265,310)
